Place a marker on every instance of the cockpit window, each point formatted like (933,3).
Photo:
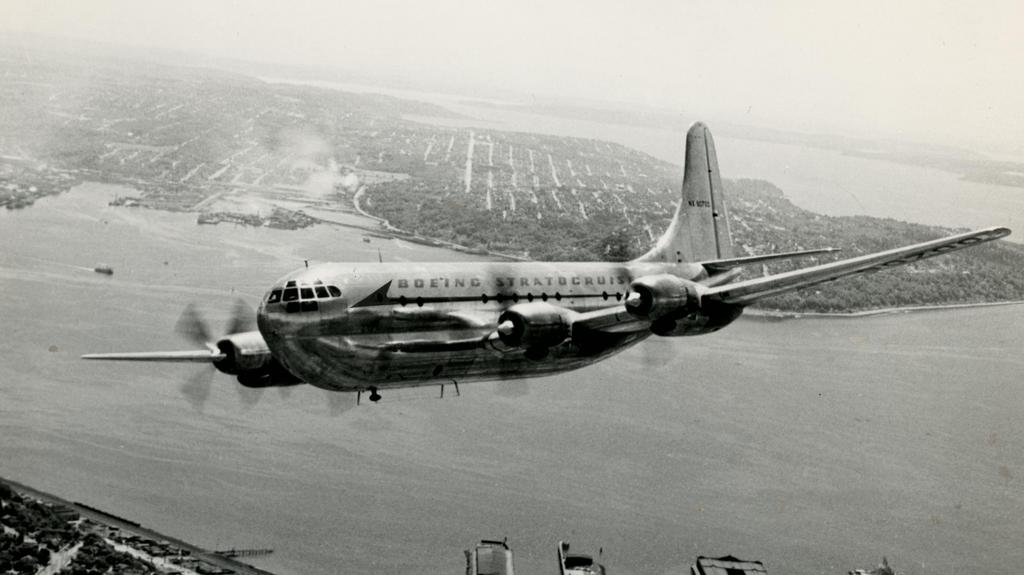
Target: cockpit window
(306,293)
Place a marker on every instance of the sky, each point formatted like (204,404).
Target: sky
(937,71)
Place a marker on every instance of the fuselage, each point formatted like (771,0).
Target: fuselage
(358,326)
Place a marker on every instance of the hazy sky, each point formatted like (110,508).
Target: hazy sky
(921,70)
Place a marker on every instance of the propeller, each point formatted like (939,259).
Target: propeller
(249,396)
(193,327)
(197,389)
(512,388)
(339,403)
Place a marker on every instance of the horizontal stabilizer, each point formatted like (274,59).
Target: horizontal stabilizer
(749,291)
(200,356)
(722,265)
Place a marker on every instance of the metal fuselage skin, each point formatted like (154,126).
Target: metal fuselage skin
(401,325)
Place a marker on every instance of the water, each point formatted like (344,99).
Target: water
(816,446)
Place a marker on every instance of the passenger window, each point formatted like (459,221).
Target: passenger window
(335,292)
(290,294)
(321,292)
(307,293)
(275,296)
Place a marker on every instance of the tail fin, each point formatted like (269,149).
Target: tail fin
(700,229)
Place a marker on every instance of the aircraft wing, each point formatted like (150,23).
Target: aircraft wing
(200,356)
(749,291)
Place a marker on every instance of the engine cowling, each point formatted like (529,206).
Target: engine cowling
(243,353)
(534,325)
(662,296)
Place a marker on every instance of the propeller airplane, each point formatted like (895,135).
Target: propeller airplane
(358,327)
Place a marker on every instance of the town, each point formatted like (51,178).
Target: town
(41,533)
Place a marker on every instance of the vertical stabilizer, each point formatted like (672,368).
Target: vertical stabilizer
(700,229)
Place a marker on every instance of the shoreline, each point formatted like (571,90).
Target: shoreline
(381,228)
(124,525)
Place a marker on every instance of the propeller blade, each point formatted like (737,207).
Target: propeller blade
(192,327)
(197,389)
(512,388)
(243,318)
(249,396)
(339,402)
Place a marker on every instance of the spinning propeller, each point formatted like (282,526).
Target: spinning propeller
(193,327)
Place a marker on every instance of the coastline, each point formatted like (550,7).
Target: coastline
(144,535)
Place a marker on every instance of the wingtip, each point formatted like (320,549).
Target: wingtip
(992,233)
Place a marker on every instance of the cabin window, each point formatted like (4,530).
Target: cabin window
(275,296)
(310,305)
(529,297)
(483,298)
(334,291)
(290,294)
(419,301)
(558,296)
(544,297)
(292,306)
(321,292)
(306,292)
(618,296)
(291,283)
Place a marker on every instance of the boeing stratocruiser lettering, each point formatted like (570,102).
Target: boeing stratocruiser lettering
(360,327)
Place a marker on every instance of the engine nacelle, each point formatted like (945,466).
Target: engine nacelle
(244,353)
(534,325)
(662,296)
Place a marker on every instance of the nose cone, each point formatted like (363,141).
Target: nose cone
(297,302)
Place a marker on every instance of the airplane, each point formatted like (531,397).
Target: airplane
(369,327)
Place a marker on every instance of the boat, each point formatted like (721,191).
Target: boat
(577,563)
(490,558)
(104,269)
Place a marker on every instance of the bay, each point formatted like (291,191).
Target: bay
(816,446)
